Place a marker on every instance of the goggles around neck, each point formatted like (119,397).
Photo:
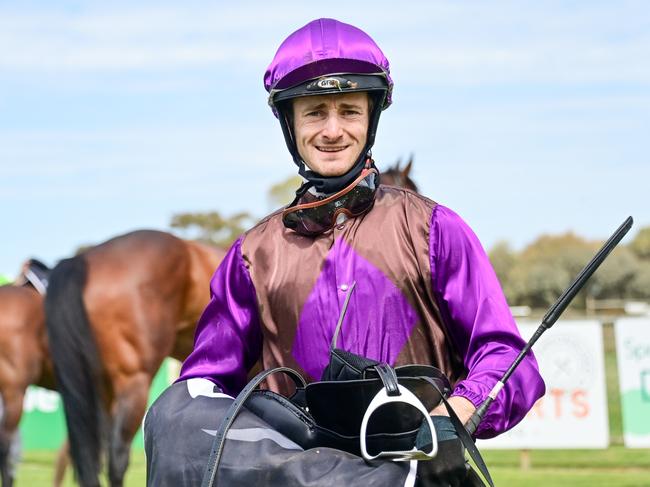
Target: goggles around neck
(317,216)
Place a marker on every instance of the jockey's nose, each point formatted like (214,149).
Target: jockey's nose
(333,129)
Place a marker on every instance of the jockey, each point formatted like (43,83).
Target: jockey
(425,291)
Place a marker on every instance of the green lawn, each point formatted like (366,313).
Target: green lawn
(615,466)
(37,469)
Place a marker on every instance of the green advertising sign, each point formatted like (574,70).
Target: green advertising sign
(42,426)
(633,356)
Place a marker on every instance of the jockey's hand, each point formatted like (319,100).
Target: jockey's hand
(461,406)
(449,467)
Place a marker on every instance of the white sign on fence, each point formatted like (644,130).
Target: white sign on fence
(573,412)
(633,356)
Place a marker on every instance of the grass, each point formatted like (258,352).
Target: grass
(37,469)
(614,466)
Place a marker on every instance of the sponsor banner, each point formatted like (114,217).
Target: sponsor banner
(42,426)
(573,412)
(633,357)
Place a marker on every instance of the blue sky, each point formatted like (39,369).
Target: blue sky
(524,117)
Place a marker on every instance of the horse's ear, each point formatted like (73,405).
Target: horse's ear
(398,163)
(407,168)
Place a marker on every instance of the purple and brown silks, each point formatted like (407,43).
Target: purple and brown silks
(425,293)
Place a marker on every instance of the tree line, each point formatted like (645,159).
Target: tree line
(537,275)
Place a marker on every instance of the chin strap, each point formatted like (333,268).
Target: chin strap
(332,184)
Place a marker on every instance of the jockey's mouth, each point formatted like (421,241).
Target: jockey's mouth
(338,148)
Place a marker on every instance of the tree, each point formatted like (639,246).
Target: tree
(537,284)
(639,285)
(282,193)
(211,227)
(613,277)
(545,268)
(503,259)
(641,243)
(214,228)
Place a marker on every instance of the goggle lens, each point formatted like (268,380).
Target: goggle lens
(318,217)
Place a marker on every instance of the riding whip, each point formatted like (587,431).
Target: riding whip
(551,317)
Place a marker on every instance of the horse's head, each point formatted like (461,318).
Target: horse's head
(398,176)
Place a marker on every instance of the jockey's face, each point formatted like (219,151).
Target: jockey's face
(331,130)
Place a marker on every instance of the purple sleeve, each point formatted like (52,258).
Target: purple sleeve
(483,330)
(228,338)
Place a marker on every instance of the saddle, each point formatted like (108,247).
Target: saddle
(338,413)
(360,406)
(37,275)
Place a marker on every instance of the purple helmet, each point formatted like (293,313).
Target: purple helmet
(325,57)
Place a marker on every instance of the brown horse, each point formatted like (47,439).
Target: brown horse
(397,176)
(114,312)
(23,361)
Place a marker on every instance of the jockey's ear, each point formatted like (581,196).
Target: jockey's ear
(407,169)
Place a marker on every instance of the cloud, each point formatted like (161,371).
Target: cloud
(562,63)
(121,112)
(529,42)
(192,165)
(125,39)
(437,42)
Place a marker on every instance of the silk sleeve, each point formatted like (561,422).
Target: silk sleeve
(228,338)
(477,316)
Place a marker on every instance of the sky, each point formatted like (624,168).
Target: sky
(524,117)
